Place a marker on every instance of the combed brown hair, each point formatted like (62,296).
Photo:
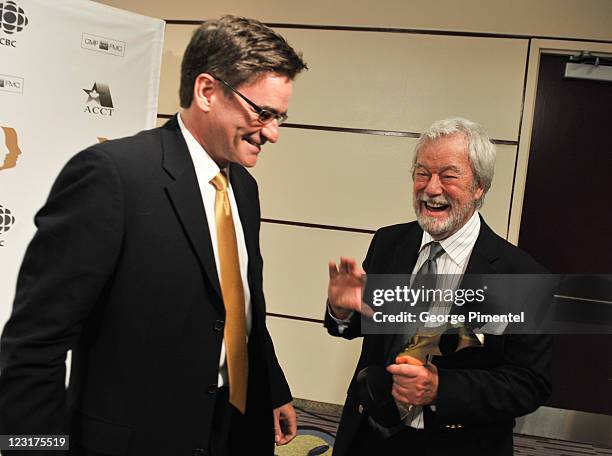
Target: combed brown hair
(237,50)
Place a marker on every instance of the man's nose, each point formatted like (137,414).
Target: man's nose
(270,131)
(434,186)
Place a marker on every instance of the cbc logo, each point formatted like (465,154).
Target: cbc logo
(12,19)
(7,220)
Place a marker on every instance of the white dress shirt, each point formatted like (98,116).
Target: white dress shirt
(451,264)
(206,169)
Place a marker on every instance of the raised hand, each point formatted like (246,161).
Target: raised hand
(345,288)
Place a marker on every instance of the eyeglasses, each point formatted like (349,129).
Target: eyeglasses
(265,116)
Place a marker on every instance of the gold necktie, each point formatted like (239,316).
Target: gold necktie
(233,296)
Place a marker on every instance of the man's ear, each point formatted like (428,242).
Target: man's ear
(478,193)
(204,89)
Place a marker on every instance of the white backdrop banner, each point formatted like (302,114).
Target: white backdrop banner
(72,73)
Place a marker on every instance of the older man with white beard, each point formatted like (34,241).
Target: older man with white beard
(464,402)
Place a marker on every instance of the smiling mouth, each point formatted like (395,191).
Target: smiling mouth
(251,142)
(435,207)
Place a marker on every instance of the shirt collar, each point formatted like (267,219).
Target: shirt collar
(459,245)
(205,166)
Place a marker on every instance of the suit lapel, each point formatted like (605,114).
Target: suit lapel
(185,196)
(484,255)
(404,259)
(482,261)
(247,209)
(407,253)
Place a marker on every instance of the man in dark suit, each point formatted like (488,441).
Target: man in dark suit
(463,403)
(147,265)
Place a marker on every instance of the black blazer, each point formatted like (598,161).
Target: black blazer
(482,389)
(121,271)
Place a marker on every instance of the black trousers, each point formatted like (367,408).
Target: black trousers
(491,440)
(369,442)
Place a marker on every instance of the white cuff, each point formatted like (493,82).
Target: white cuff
(342,323)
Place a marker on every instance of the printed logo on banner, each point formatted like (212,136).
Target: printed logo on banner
(12,17)
(12,20)
(100,97)
(101,44)
(11,84)
(7,220)
(9,147)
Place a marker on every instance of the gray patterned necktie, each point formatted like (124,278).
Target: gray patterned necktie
(430,266)
(425,278)
(426,275)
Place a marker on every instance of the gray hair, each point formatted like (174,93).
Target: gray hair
(481,151)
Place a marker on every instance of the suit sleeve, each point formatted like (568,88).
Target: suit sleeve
(352,329)
(64,271)
(280,393)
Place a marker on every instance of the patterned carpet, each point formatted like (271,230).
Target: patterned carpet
(318,422)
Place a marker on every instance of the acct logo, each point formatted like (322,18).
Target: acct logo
(100,97)
(7,220)
(12,17)
(9,147)
(104,45)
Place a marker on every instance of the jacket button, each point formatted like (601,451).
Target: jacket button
(212,389)
(360,409)
(219,325)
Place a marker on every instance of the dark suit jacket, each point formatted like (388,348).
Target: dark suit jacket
(484,388)
(122,272)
